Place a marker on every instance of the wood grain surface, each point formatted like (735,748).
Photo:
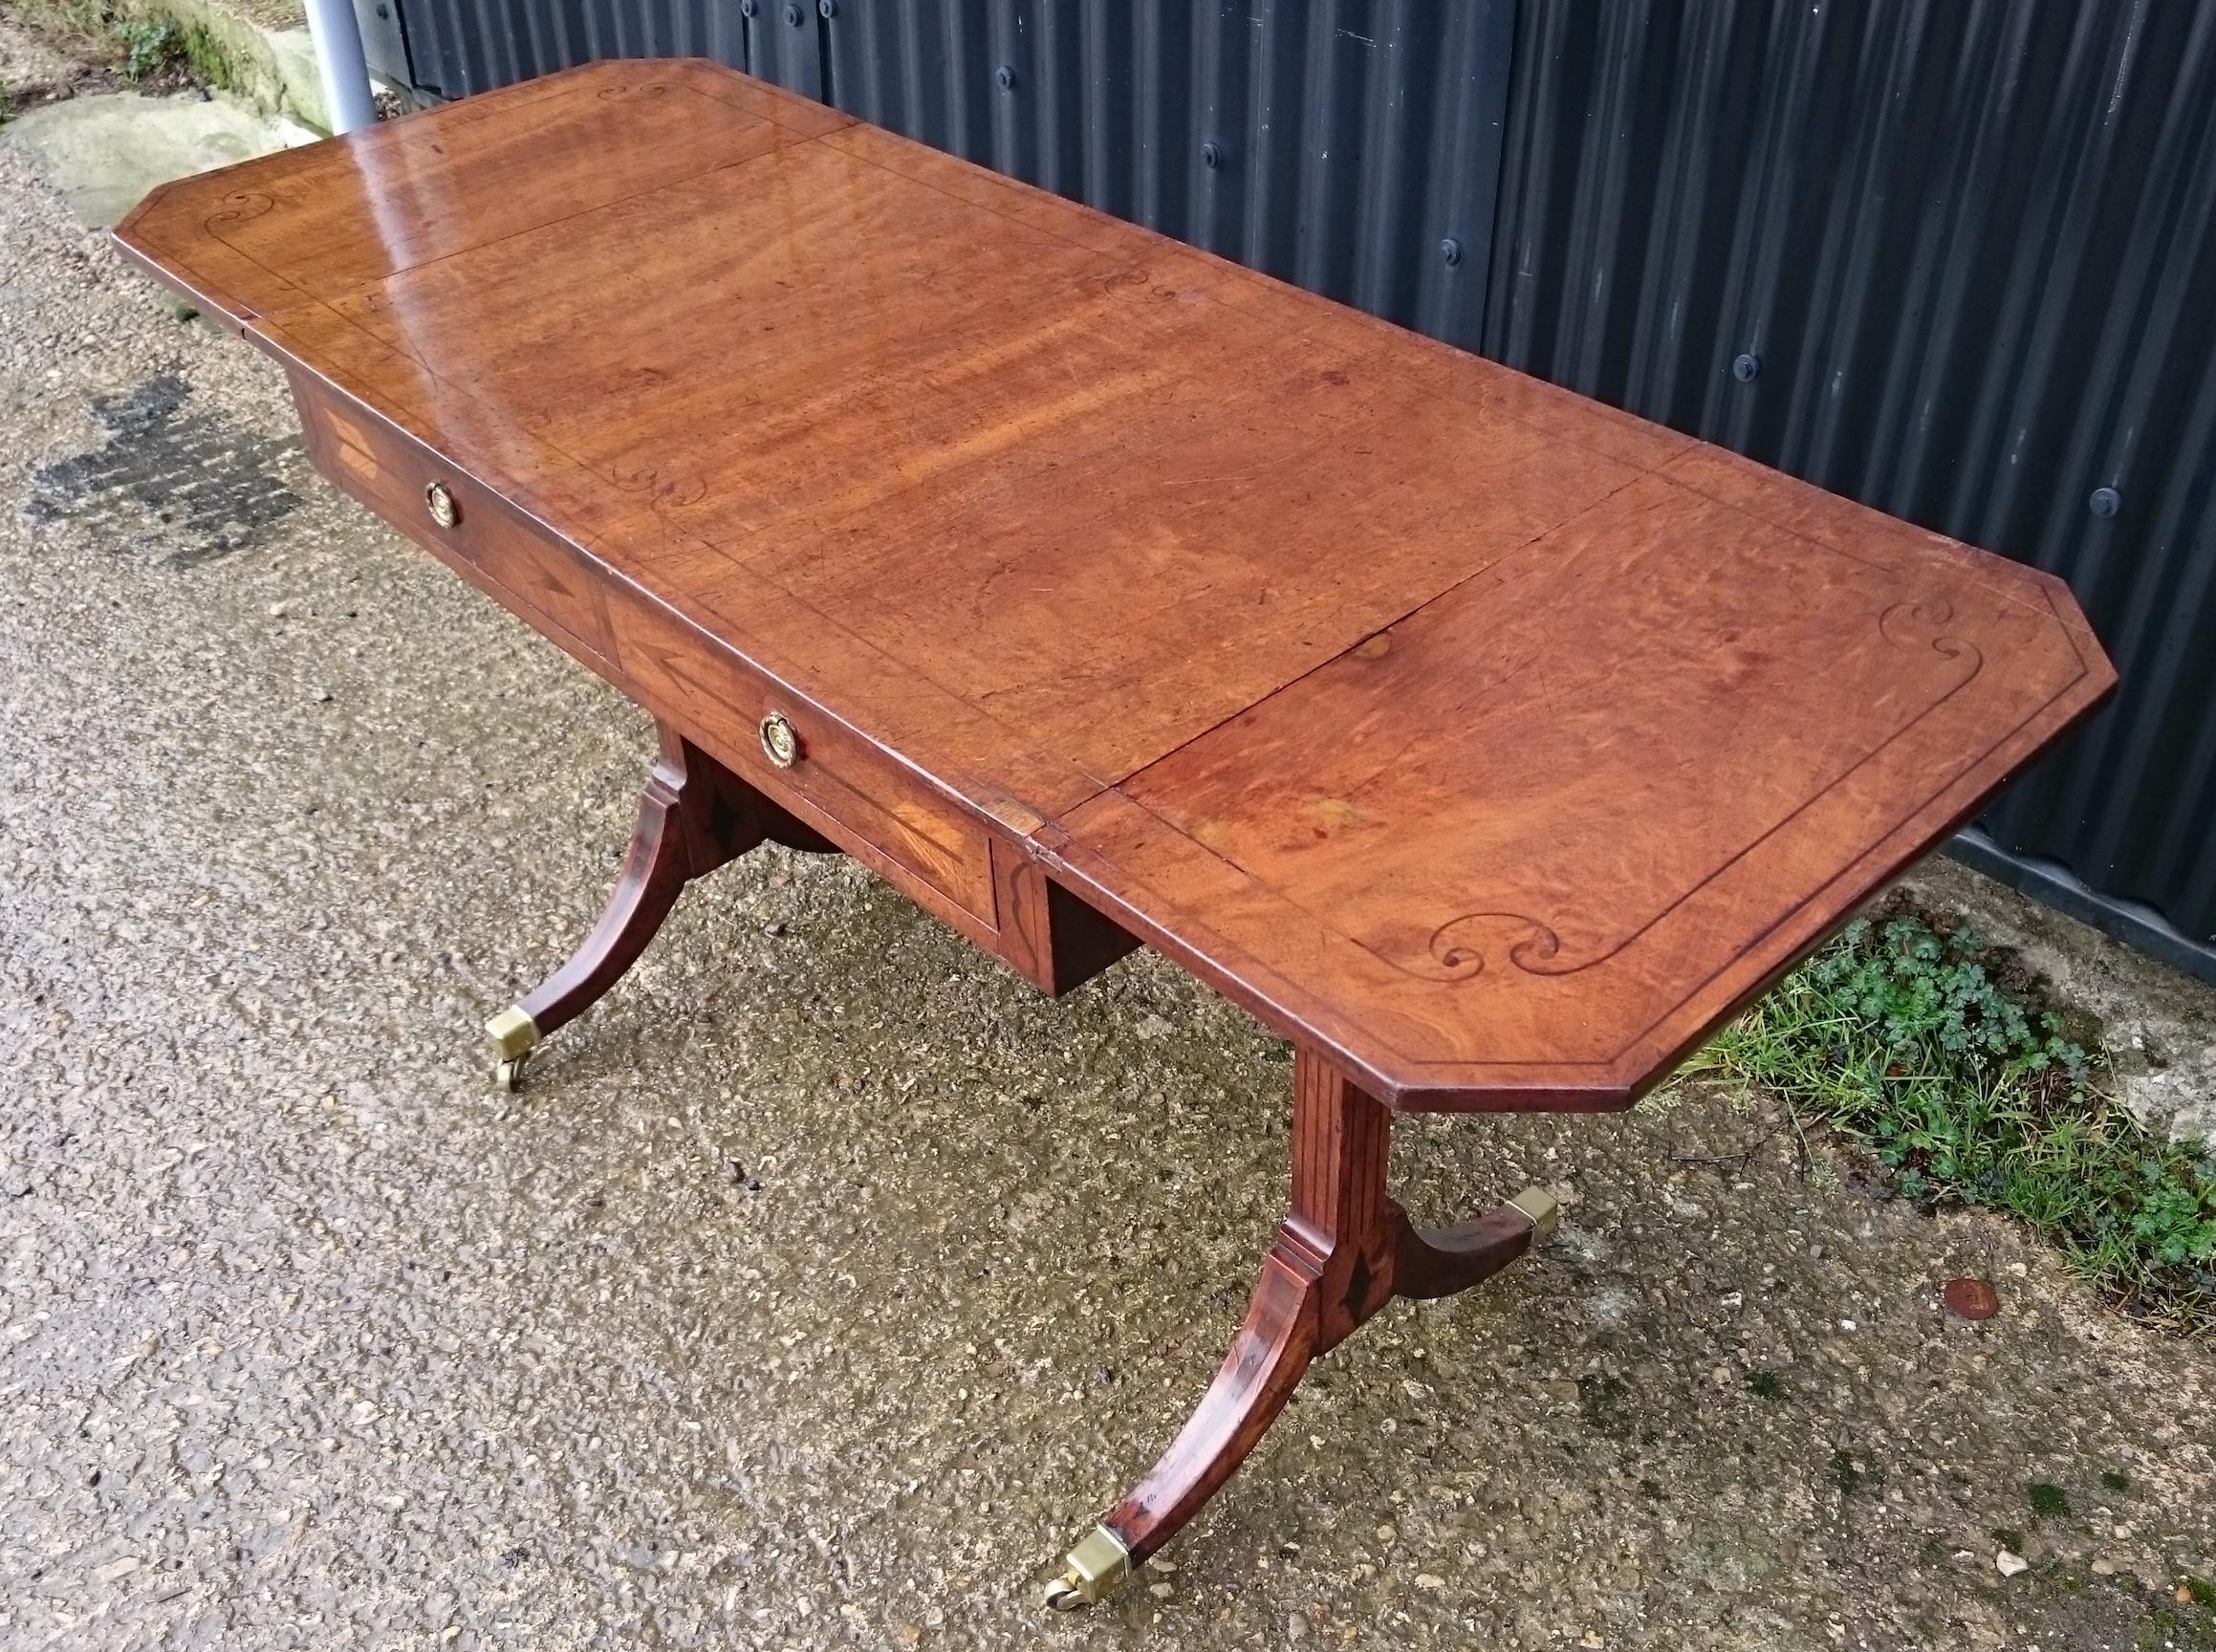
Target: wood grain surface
(1493,742)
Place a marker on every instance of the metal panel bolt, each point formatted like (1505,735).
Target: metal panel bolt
(747,8)
(1451,249)
(1005,75)
(793,16)
(1747,368)
(2104,503)
(1212,156)
(827,10)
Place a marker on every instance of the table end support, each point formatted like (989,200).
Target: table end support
(1344,1249)
(694,816)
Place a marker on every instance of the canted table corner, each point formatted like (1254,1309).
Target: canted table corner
(1491,746)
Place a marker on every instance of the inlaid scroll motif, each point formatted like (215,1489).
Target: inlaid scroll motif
(1461,948)
(1922,625)
(239,206)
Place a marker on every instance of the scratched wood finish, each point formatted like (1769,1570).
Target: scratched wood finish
(1493,743)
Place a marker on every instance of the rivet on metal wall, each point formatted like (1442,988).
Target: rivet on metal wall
(1747,368)
(1212,156)
(747,8)
(1005,77)
(1451,249)
(2104,503)
(827,8)
(793,16)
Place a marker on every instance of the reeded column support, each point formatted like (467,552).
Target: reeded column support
(1344,1251)
(694,816)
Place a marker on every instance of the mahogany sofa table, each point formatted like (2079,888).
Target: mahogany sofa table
(1491,746)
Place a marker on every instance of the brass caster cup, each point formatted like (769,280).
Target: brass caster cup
(1094,1570)
(1544,1210)
(514,1034)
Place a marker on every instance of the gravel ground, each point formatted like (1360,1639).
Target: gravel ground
(826,1282)
(28,63)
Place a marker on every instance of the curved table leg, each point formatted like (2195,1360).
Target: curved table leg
(1441,1261)
(1344,1251)
(693,816)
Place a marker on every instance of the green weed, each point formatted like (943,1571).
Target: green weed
(148,46)
(1765,1384)
(1603,1401)
(2047,1500)
(1942,1060)
(137,47)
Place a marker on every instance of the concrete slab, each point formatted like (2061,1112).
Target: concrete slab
(104,152)
(288,57)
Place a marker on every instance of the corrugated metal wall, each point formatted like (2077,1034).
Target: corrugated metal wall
(1341,144)
(1956,258)
(1972,246)
(1338,143)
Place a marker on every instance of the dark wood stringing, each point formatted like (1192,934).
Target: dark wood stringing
(1493,742)
(1492,745)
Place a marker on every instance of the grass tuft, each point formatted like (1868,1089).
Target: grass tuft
(1942,1060)
(2047,1500)
(142,49)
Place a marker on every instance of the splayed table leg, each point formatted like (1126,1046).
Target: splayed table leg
(694,816)
(1344,1251)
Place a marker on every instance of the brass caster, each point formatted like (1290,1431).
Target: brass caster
(1094,1570)
(513,1032)
(1062,1595)
(1543,1208)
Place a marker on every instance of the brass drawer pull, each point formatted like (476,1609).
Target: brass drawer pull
(440,499)
(780,740)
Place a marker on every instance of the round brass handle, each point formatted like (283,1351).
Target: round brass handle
(780,740)
(440,499)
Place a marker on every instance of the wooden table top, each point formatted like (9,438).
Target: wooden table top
(1497,743)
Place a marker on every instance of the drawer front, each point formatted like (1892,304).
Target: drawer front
(395,476)
(886,817)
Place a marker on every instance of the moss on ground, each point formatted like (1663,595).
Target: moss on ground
(162,46)
(1967,1084)
(141,47)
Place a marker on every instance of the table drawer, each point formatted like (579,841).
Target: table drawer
(544,579)
(883,813)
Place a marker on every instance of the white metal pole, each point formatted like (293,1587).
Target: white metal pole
(336,34)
